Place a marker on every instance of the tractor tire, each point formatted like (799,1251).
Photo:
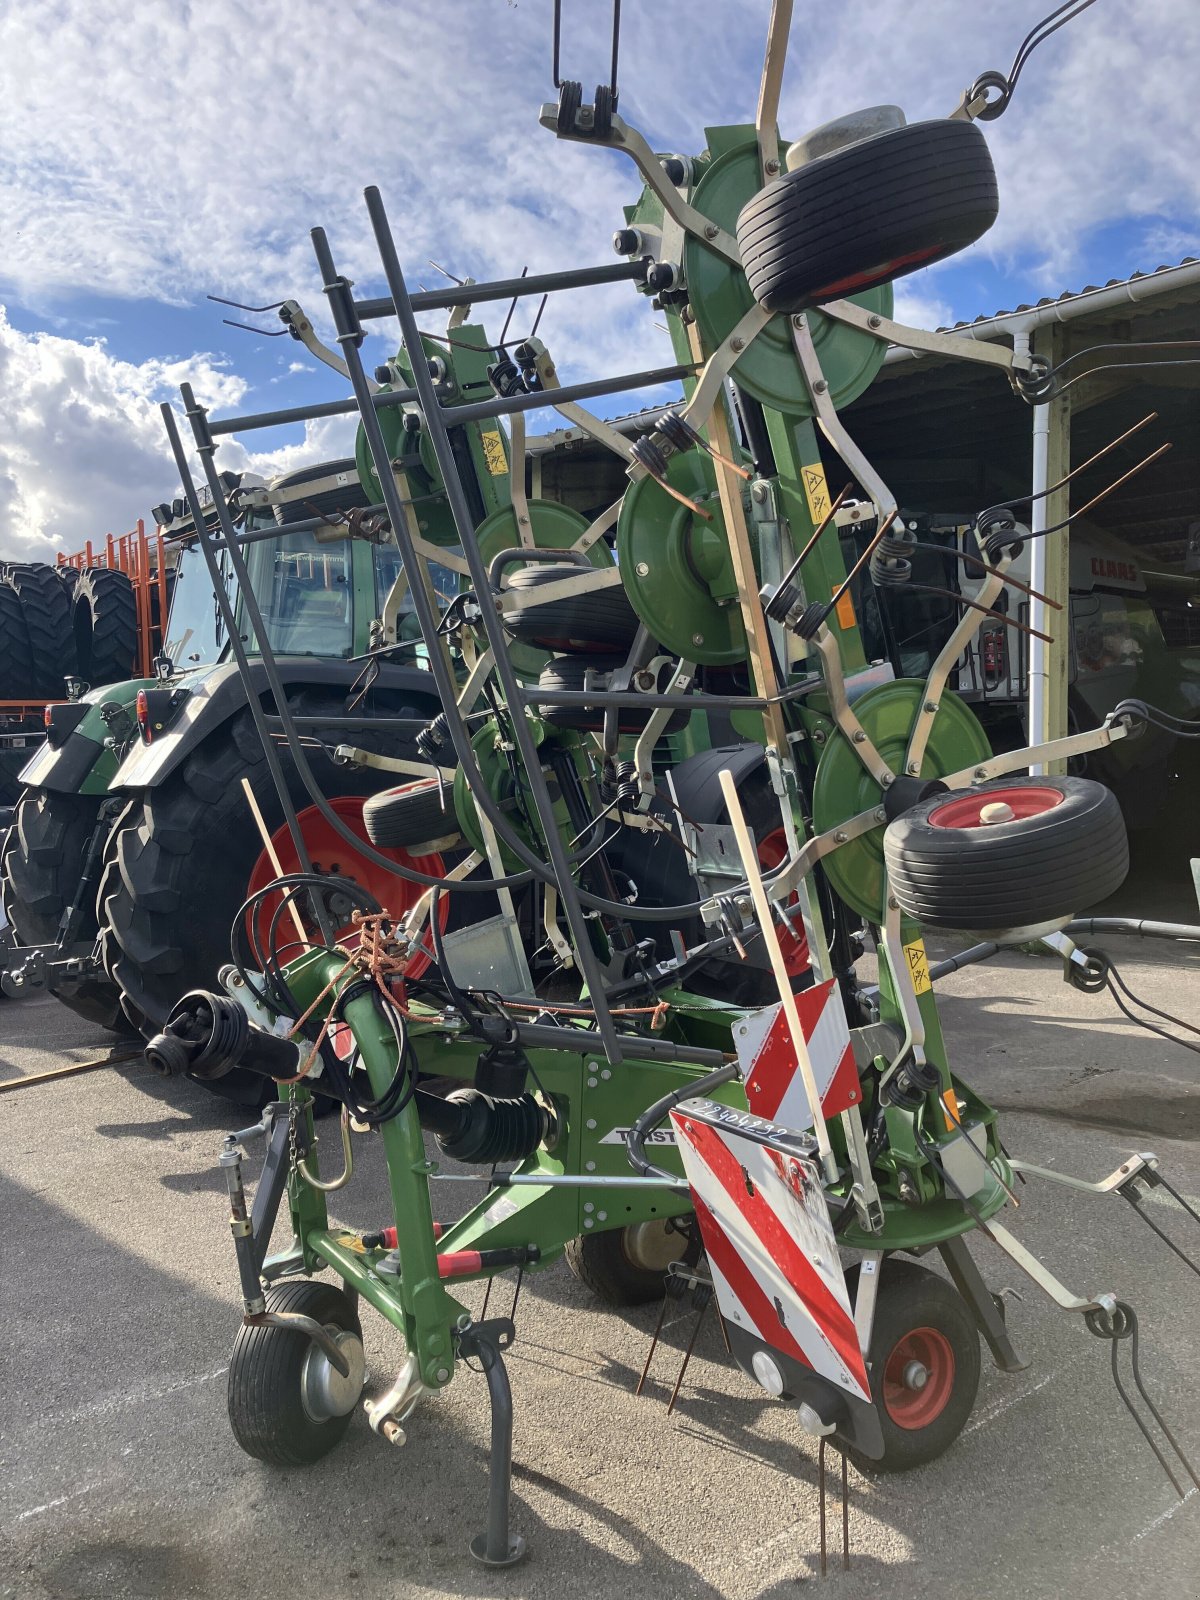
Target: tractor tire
(626,1266)
(106,626)
(868,213)
(287,1405)
(43,855)
(68,577)
(1062,849)
(569,672)
(46,611)
(589,624)
(919,1319)
(346,497)
(413,817)
(16,660)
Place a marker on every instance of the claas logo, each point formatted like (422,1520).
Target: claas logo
(1107,567)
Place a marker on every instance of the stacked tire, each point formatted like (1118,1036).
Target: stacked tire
(58,622)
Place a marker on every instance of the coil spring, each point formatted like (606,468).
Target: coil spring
(891,563)
(677,431)
(912,1082)
(625,782)
(646,452)
(810,621)
(505,378)
(432,740)
(570,98)
(998,532)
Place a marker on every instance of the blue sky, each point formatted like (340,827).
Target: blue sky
(134,181)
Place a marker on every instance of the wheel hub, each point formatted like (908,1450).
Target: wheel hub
(652,1246)
(915,1375)
(324,1392)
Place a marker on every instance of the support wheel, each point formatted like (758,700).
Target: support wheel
(287,1404)
(924,1363)
(626,1266)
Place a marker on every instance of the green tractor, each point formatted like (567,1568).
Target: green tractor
(134,840)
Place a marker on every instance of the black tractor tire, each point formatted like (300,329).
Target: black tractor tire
(588,624)
(615,1265)
(178,866)
(46,610)
(569,672)
(43,855)
(866,214)
(267,1369)
(919,1316)
(345,497)
(68,577)
(16,660)
(106,626)
(1064,850)
(413,817)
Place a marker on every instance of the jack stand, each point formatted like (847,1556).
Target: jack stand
(845,1511)
(975,1292)
(497,1547)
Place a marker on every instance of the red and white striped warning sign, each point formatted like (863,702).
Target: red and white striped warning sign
(769,1241)
(767,1058)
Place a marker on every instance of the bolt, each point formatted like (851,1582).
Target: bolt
(589,1166)
(820,386)
(588,1206)
(592,1083)
(893,903)
(759,492)
(737,342)
(606,1073)
(981,772)
(588,1223)
(931,706)
(840,836)
(799,322)
(642,569)
(852,1095)
(591,1122)
(913,768)
(887,780)
(711,230)
(602,1216)
(697,638)
(818,736)
(771,167)
(873,322)
(860,737)
(442,1374)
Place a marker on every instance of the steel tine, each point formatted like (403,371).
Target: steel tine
(687,1356)
(821,1503)
(662,1315)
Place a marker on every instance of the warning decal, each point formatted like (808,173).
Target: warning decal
(493,452)
(918,966)
(816,491)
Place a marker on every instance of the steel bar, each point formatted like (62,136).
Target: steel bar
(476,294)
(521,731)
(1134,926)
(71,1070)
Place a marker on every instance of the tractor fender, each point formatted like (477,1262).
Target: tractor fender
(83,763)
(217,695)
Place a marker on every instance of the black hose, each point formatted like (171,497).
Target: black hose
(635,1139)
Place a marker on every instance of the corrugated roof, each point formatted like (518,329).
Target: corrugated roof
(1072,294)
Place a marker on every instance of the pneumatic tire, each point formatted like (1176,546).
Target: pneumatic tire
(104,617)
(1062,849)
(570,672)
(626,1266)
(587,624)
(43,855)
(46,613)
(279,1409)
(867,214)
(16,661)
(414,814)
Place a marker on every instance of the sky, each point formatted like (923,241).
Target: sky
(153,152)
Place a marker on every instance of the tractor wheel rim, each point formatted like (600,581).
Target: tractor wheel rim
(333,857)
(771,851)
(918,1378)
(1023,800)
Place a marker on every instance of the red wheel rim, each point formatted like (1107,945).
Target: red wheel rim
(1023,800)
(332,856)
(918,1378)
(771,851)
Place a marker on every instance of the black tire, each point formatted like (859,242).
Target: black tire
(16,661)
(589,624)
(569,672)
(46,611)
(412,816)
(106,627)
(615,1265)
(911,1301)
(1033,869)
(68,577)
(266,1390)
(43,856)
(862,216)
(345,497)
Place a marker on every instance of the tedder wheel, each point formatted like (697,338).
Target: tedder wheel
(46,610)
(587,624)
(1007,855)
(288,1404)
(43,855)
(924,1367)
(626,1266)
(867,213)
(418,813)
(570,672)
(104,617)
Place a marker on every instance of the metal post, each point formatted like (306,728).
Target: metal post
(498,1547)
(1050,565)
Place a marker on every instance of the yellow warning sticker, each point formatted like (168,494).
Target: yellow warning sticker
(918,966)
(816,491)
(494,453)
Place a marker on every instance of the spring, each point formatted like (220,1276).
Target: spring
(891,565)
(677,431)
(505,378)
(912,1082)
(648,454)
(998,532)
(431,741)
(625,783)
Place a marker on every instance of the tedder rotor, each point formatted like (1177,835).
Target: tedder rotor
(671,802)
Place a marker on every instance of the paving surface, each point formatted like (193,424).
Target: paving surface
(119,1477)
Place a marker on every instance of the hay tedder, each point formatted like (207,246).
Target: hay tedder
(664,806)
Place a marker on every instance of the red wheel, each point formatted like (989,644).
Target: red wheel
(918,1378)
(991,807)
(333,857)
(771,851)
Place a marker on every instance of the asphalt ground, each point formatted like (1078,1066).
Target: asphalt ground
(118,1304)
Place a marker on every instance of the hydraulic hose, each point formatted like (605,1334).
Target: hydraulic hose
(635,1139)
